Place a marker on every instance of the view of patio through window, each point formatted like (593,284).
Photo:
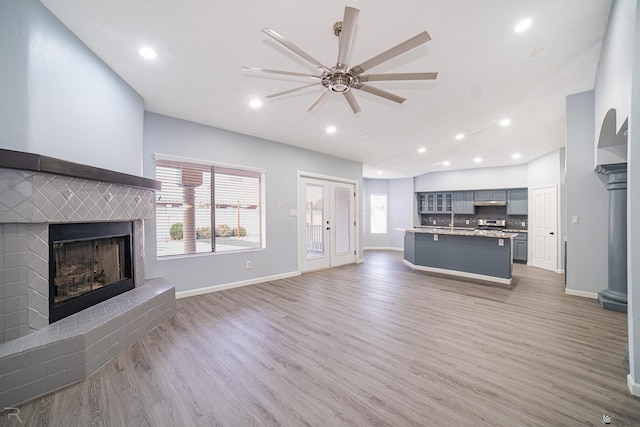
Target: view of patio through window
(207,208)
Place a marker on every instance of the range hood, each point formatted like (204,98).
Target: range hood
(491,203)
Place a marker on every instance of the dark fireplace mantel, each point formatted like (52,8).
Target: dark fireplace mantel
(11,159)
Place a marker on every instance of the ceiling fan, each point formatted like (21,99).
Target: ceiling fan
(341,78)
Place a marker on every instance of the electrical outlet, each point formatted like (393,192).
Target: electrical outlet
(500,242)
(524,224)
(435,237)
(467,222)
(575,219)
(279,205)
(434,222)
(247,265)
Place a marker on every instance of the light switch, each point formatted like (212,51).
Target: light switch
(500,242)
(279,205)
(435,237)
(293,212)
(575,219)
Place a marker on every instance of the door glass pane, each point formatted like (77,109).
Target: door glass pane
(342,222)
(314,220)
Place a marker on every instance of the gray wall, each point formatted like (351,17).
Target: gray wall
(171,136)
(400,214)
(61,100)
(473,179)
(618,86)
(587,198)
(613,79)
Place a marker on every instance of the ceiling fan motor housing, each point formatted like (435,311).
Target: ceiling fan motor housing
(339,81)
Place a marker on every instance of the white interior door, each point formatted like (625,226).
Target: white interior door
(342,217)
(326,223)
(544,228)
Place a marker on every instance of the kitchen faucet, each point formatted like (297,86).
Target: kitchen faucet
(453,216)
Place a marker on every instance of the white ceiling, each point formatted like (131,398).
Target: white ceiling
(486,72)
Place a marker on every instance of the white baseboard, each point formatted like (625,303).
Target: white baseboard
(592,295)
(382,248)
(634,387)
(215,288)
(359,260)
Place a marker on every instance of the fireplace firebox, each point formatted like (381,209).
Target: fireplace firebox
(88,263)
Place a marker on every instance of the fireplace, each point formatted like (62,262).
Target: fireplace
(88,263)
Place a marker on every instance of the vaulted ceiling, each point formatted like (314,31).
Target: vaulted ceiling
(486,72)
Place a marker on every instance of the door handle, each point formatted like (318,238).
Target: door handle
(551,232)
(328,228)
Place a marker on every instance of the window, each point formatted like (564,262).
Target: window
(208,208)
(378,213)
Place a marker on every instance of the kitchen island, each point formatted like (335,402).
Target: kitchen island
(484,255)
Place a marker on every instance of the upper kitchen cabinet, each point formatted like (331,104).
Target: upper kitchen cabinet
(444,202)
(490,196)
(463,202)
(426,203)
(435,203)
(517,202)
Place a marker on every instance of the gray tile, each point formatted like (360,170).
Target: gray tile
(34,389)
(56,349)
(33,373)
(53,366)
(10,398)
(56,381)
(33,356)
(10,364)
(76,359)
(76,374)
(11,380)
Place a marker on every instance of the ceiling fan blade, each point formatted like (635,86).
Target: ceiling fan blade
(403,47)
(319,101)
(286,73)
(347,32)
(295,49)
(351,99)
(397,76)
(383,93)
(286,92)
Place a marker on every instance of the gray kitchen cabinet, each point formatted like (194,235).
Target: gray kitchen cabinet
(444,202)
(463,202)
(517,202)
(426,203)
(520,248)
(490,195)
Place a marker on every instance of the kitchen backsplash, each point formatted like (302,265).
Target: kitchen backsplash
(513,222)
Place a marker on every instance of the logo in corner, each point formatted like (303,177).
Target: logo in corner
(606,419)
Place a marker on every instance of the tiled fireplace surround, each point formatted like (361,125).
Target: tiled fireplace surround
(35,357)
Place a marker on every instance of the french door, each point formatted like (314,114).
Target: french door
(327,223)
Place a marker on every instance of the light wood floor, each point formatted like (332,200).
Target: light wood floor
(362,345)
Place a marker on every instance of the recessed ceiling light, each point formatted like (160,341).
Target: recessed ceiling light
(331,129)
(422,150)
(505,122)
(516,155)
(147,53)
(445,163)
(522,25)
(478,159)
(460,136)
(379,172)
(255,103)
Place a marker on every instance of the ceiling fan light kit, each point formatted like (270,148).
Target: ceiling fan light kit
(341,78)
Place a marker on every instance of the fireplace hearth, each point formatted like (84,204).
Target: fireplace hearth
(88,263)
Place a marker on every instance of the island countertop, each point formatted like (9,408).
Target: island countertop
(460,232)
